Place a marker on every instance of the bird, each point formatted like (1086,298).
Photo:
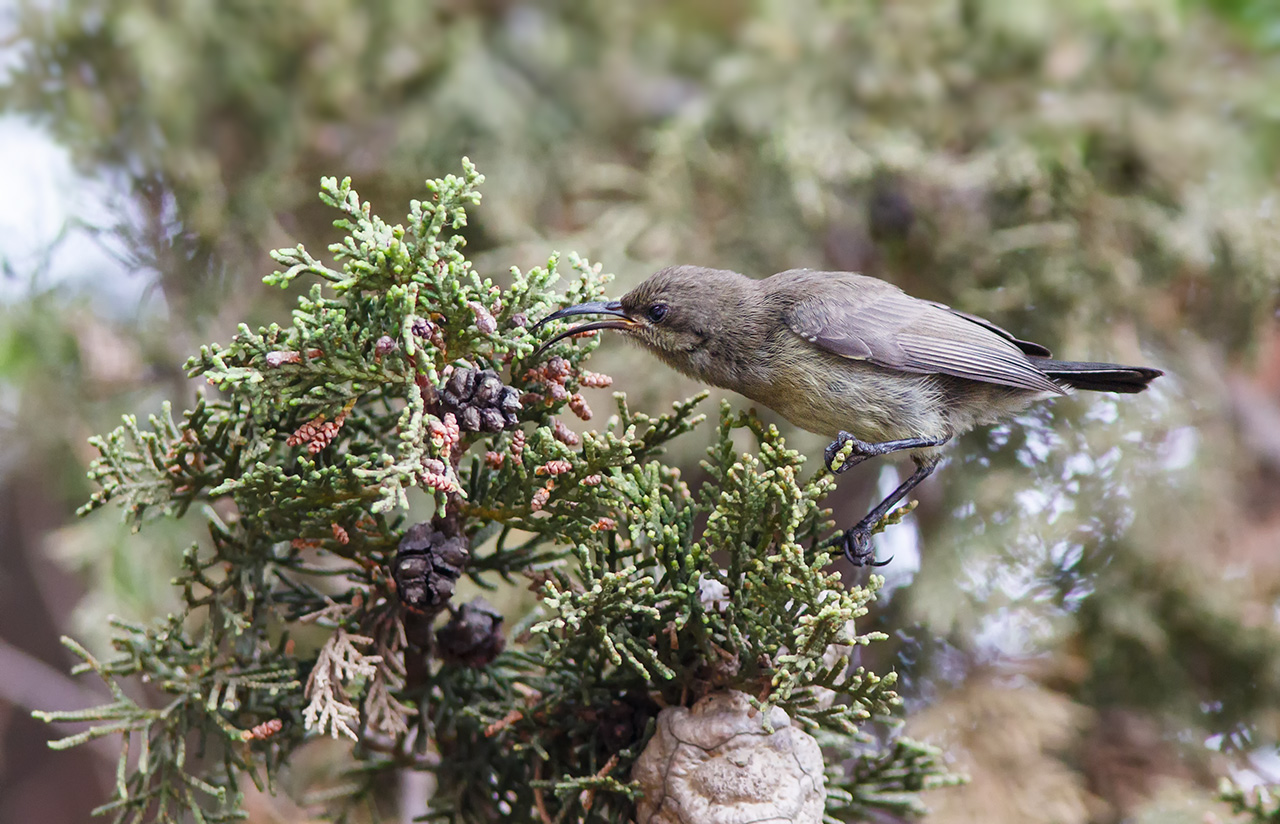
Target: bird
(848,356)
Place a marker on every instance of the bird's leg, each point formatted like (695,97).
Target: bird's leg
(856,541)
(863,450)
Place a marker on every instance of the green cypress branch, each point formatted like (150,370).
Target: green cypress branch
(303,458)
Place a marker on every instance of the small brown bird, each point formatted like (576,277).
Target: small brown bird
(848,356)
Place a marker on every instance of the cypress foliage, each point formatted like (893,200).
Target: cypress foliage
(406,382)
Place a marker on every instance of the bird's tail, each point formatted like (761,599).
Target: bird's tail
(1099,377)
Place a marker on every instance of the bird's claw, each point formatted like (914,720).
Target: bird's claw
(856,543)
(861,451)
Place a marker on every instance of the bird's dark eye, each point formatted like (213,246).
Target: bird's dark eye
(657,312)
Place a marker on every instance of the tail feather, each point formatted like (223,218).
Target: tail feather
(1098,377)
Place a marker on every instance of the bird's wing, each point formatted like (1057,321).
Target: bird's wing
(1028,347)
(877,322)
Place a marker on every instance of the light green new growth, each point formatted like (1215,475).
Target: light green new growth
(303,462)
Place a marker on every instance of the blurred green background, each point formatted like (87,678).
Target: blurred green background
(1085,608)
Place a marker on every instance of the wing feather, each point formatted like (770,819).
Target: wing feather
(867,319)
(1028,347)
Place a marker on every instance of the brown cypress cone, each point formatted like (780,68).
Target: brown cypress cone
(480,400)
(473,636)
(427,565)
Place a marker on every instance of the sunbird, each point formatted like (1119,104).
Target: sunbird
(848,356)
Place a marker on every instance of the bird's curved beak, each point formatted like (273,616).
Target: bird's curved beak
(618,319)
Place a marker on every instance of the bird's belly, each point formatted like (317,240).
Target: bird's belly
(864,400)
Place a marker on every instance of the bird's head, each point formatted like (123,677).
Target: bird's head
(676,313)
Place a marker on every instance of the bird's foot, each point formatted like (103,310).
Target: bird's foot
(856,543)
(861,451)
